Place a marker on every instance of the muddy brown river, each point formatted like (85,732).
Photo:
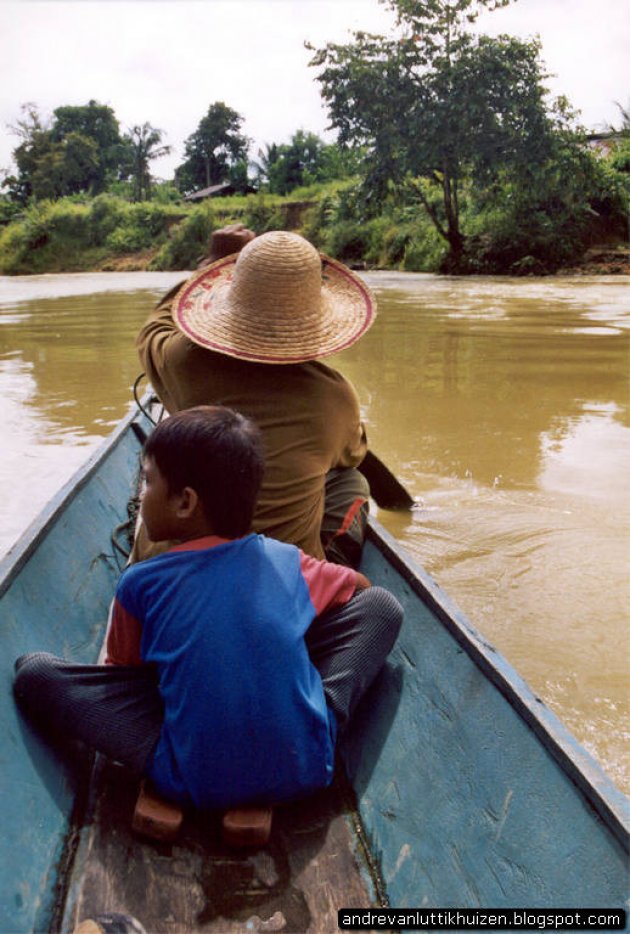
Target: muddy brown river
(502,404)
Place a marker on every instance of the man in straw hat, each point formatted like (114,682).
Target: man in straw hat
(247,331)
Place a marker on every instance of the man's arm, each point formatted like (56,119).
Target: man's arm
(353,438)
(227,240)
(161,346)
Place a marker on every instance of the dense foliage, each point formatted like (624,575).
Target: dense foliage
(68,235)
(216,148)
(107,232)
(302,161)
(449,157)
(459,125)
(80,151)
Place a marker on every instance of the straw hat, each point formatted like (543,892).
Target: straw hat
(277,301)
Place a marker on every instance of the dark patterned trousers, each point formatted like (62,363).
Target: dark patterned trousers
(117,709)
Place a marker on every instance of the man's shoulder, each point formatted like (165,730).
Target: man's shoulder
(328,380)
(324,371)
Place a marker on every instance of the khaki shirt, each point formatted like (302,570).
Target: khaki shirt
(308,414)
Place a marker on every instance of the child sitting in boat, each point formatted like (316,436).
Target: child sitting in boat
(232,659)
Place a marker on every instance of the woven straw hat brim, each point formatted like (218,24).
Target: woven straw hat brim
(205,311)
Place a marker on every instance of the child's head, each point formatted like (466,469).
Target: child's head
(217,454)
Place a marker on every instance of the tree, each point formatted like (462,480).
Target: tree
(98,123)
(216,145)
(67,167)
(340,162)
(619,140)
(238,176)
(287,166)
(305,159)
(30,124)
(143,146)
(302,160)
(77,151)
(436,107)
(624,129)
(34,133)
(267,166)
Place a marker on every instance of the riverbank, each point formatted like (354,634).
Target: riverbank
(597,261)
(601,261)
(108,234)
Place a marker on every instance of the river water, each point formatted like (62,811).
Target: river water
(502,404)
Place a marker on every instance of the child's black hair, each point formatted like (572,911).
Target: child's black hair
(219,453)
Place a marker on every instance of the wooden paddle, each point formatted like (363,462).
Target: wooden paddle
(387,491)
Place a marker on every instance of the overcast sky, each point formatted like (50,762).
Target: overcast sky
(166,61)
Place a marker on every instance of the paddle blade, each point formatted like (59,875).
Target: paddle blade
(387,491)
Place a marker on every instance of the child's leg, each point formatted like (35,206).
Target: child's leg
(114,709)
(348,646)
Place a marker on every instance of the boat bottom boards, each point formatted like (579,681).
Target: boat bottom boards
(313,866)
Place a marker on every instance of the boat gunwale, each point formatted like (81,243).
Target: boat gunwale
(582,769)
(610,804)
(18,555)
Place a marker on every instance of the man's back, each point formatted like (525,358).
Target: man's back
(308,414)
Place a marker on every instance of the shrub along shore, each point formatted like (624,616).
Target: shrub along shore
(108,233)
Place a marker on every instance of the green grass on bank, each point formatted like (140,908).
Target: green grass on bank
(111,233)
(70,236)
(108,232)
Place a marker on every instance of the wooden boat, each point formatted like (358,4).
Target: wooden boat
(461,788)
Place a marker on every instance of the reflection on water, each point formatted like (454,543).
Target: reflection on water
(502,404)
(67,362)
(584,456)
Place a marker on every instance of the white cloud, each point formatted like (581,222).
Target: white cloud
(165,62)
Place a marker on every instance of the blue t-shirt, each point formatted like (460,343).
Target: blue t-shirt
(245,717)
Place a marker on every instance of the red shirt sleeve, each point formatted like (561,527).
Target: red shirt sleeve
(329,584)
(123,638)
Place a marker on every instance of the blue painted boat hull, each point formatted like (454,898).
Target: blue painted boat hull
(56,585)
(470,792)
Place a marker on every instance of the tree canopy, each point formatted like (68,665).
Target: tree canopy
(305,159)
(143,144)
(437,107)
(95,122)
(79,150)
(216,147)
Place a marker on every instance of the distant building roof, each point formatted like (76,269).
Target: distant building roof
(605,141)
(223,188)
